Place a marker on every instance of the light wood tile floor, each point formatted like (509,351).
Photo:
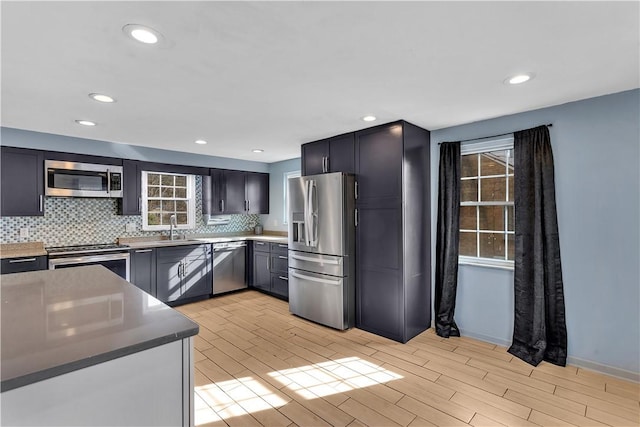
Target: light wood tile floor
(258,365)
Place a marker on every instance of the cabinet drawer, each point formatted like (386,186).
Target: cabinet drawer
(279,248)
(280,284)
(279,263)
(20,265)
(179,252)
(259,246)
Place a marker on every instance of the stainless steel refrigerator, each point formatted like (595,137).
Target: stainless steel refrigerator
(322,249)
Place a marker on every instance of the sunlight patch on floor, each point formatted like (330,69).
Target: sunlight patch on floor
(243,396)
(334,376)
(233,398)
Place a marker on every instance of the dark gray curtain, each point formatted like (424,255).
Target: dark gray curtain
(539,331)
(447,240)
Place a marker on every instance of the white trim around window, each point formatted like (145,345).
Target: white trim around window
(285,192)
(477,147)
(176,197)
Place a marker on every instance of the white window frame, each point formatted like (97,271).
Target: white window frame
(191,202)
(285,192)
(478,147)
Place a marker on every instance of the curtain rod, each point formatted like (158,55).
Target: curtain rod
(493,136)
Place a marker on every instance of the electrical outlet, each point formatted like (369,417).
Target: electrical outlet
(130,227)
(24,232)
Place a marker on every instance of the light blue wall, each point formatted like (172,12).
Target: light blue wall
(273,221)
(45,141)
(596,147)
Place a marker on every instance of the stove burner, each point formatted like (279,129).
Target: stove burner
(78,249)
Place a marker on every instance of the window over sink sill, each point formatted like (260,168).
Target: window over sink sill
(166,194)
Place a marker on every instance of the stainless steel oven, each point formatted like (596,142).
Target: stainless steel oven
(112,256)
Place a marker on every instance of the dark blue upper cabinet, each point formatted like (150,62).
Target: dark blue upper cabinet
(314,155)
(335,154)
(257,193)
(235,192)
(22,174)
(131,202)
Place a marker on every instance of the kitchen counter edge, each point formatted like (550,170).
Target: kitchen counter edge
(204,240)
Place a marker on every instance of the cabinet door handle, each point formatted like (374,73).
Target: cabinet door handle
(139,203)
(16,261)
(282,257)
(269,263)
(248,205)
(221,205)
(141,251)
(41,203)
(283,278)
(355,214)
(282,246)
(326,164)
(356,190)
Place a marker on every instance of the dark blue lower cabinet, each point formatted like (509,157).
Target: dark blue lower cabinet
(23,264)
(271,268)
(143,269)
(280,284)
(183,273)
(261,274)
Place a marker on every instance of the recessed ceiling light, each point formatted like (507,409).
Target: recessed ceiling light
(85,122)
(519,78)
(369,118)
(100,97)
(257,150)
(200,141)
(141,33)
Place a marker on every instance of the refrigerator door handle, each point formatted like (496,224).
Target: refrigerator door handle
(319,261)
(307,217)
(315,279)
(313,214)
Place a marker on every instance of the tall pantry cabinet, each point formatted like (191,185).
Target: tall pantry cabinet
(393,274)
(393,259)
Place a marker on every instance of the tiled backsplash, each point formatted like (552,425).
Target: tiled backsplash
(71,221)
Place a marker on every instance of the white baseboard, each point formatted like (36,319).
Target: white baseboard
(574,361)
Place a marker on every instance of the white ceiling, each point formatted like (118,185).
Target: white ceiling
(274,75)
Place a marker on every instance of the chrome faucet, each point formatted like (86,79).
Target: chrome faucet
(173,221)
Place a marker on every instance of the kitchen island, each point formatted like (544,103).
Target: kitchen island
(81,346)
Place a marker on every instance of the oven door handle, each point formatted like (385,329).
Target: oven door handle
(53,262)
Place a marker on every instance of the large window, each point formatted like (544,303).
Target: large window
(164,195)
(285,191)
(486,204)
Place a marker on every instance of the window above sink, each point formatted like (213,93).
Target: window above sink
(166,194)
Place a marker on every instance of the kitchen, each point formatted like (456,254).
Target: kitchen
(485,301)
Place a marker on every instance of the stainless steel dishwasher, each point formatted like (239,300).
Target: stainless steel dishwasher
(229,272)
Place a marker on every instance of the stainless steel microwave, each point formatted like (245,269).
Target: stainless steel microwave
(73,179)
